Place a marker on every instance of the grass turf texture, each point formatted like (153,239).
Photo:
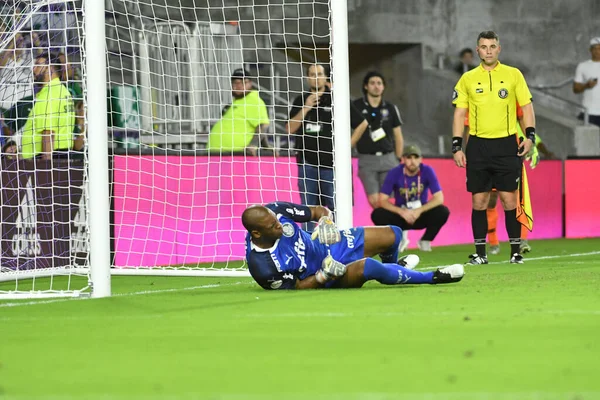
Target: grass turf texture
(505,332)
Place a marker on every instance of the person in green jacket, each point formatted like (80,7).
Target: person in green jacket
(48,131)
(242,120)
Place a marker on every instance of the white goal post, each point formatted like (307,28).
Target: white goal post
(170,157)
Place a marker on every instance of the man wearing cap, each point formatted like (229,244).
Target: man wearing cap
(409,183)
(48,131)
(586,82)
(246,116)
(380,147)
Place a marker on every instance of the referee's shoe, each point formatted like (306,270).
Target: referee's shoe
(516,259)
(476,259)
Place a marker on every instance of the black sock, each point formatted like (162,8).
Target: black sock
(480,227)
(513,228)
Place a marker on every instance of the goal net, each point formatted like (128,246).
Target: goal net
(43,196)
(199,99)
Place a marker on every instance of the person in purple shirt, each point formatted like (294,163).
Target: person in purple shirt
(409,184)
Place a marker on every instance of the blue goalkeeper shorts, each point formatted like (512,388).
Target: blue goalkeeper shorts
(351,247)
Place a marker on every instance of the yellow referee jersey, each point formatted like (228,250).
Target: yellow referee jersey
(491,97)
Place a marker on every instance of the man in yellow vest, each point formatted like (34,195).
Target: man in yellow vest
(246,116)
(48,131)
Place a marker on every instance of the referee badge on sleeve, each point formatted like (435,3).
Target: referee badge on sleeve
(503,93)
(454,95)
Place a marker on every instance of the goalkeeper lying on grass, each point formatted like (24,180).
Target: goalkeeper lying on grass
(280,255)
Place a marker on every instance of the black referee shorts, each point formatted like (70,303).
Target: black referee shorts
(493,163)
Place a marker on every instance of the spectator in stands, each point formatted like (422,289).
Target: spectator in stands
(409,183)
(242,120)
(380,149)
(16,80)
(467,61)
(310,122)
(586,82)
(48,131)
(71,77)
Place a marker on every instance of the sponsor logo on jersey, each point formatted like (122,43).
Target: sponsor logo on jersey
(300,249)
(276,262)
(288,258)
(385,112)
(295,211)
(349,238)
(288,230)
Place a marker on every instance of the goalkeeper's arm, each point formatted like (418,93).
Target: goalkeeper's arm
(326,231)
(317,212)
(299,212)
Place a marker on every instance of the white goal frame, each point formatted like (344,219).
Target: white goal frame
(95,54)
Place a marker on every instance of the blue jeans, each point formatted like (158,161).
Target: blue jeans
(316,186)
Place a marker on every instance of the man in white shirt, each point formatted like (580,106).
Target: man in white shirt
(16,78)
(586,82)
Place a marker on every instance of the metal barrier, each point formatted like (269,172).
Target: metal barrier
(166,79)
(185,75)
(217,52)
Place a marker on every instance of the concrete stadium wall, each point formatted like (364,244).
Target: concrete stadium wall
(546,39)
(407,39)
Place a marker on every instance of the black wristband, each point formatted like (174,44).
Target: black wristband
(530,133)
(456,144)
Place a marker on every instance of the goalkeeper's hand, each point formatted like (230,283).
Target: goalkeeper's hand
(534,157)
(330,269)
(326,231)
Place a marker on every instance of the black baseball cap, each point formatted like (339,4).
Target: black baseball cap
(240,73)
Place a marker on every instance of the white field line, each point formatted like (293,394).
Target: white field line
(143,292)
(341,315)
(526,259)
(533,395)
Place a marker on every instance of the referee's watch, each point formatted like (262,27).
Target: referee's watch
(530,134)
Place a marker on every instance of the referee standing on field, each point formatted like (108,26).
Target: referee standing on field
(493,157)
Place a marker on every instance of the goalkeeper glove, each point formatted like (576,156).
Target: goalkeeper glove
(326,231)
(533,156)
(330,269)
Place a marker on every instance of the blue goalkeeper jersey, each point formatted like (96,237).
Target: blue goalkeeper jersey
(295,255)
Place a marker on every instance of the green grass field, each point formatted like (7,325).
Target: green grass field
(506,331)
